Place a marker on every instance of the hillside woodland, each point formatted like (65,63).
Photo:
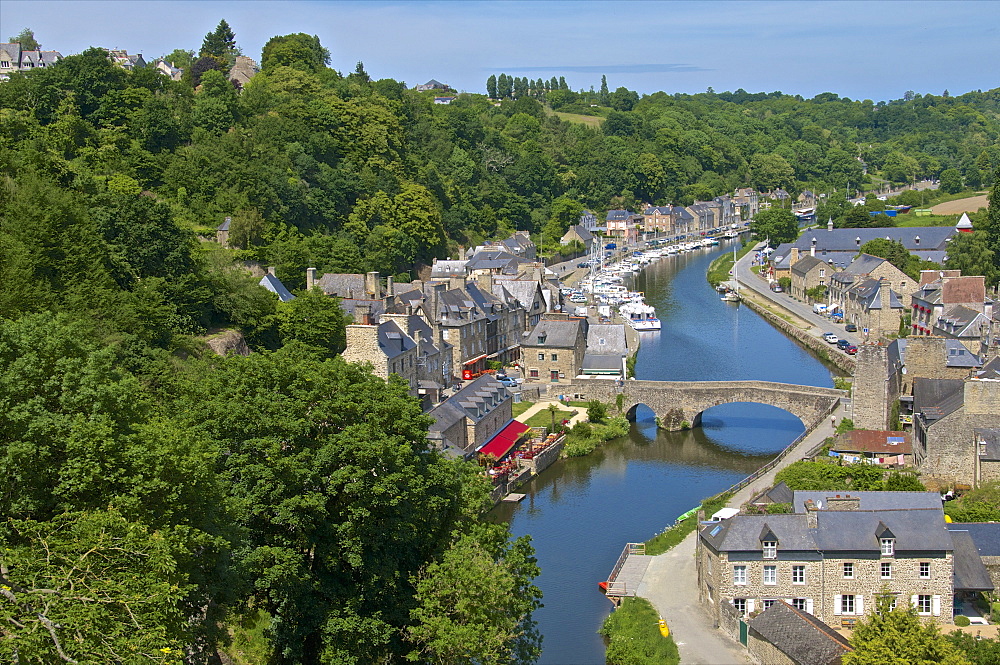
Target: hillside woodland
(154,494)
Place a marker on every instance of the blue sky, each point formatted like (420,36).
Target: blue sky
(861,50)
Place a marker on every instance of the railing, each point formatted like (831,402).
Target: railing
(630,549)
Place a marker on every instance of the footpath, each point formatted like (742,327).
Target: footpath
(581,413)
(671,579)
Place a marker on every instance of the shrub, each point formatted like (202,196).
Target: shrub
(597,411)
(962,621)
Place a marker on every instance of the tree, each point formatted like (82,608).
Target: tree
(215,105)
(314,320)
(597,411)
(298,51)
(202,65)
(26,38)
(604,94)
(898,635)
(476,603)
(219,43)
(247,228)
(951,181)
(979,651)
(180,58)
(505,86)
(623,99)
(892,251)
(770,171)
(553,409)
(971,253)
(777,224)
(491,86)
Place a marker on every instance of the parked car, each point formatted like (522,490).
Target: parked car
(851,350)
(579,299)
(850,327)
(507,381)
(843,344)
(830,338)
(776,287)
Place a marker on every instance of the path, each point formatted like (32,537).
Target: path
(958,206)
(671,579)
(580,416)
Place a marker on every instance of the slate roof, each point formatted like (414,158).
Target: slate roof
(557,334)
(777,494)
(959,356)
(985,535)
(601,363)
(274,285)
(583,234)
(870,295)
(392,340)
(846,240)
(607,339)
(448,269)
(224,226)
(915,530)
(936,398)
(970,573)
(342,285)
(990,370)
(864,264)
(799,635)
(961,321)
(742,533)
(657,210)
(875,501)
(618,215)
(804,265)
(989,437)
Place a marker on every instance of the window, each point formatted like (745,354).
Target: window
(925,570)
(888,546)
(799,604)
(533,373)
(924,604)
(798,574)
(822,272)
(555,357)
(849,571)
(541,356)
(768,602)
(847,604)
(739,574)
(770,549)
(741,605)
(770,575)
(886,572)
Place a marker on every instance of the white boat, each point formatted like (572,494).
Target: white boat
(640,316)
(731,296)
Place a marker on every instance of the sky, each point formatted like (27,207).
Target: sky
(860,50)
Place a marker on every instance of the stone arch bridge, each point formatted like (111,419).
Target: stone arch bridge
(679,402)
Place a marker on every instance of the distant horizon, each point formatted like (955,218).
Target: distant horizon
(857,50)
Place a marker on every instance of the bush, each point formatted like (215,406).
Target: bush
(597,411)
(633,636)
(962,621)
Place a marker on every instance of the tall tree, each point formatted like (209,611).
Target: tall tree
(605,97)
(777,224)
(26,38)
(491,86)
(220,42)
(898,635)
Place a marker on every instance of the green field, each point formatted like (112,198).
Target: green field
(592,121)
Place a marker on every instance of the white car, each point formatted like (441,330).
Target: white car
(830,338)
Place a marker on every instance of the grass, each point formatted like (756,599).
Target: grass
(544,418)
(910,219)
(719,269)
(249,645)
(584,438)
(520,407)
(592,121)
(632,633)
(673,535)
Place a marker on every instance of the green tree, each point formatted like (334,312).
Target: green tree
(314,320)
(597,411)
(971,253)
(770,171)
(475,604)
(892,251)
(777,224)
(220,43)
(897,635)
(605,97)
(215,105)
(979,651)
(180,58)
(26,38)
(298,51)
(951,181)
(491,86)
(623,99)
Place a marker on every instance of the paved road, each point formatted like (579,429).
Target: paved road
(671,580)
(820,325)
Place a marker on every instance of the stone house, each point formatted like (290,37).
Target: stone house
(385,346)
(808,273)
(874,307)
(13,58)
(527,292)
(128,62)
(469,419)
(842,245)
(704,214)
(222,232)
(658,219)
(885,448)
(943,291)
(728,212)
(588,220)
(852,290)
(520,244)
(878,384)
(243,70)
(965,325)
(683,221)
(607,349)
(946,416)
(434,356)
(784,635)
(274,285)
(168,69)
(831,556)
(504,320)
(747,202)
(985,538)
(622,224)
(553,352)
(580,234)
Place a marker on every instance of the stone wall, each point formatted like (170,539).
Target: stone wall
(872,394)
(926,357)
(762,651)
(952,457)
(565,363)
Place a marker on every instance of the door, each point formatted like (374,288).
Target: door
(554,376)
(743,632)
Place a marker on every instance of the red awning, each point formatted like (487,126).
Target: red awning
(473,360)
(504,440)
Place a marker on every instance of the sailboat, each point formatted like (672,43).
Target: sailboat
(734,295)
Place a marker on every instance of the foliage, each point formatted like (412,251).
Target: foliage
(894,252)
(843,383)
(828,474)
(597,411)
(315,321)
(26,38)
(978,650)
(673,535)
(979,505)
(899,636)
(633,636)
(816,293)
(584,438)
(973,255)
(962,621)
(785,283)
(776,225)
(845,424)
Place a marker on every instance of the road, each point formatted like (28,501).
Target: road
(819,324)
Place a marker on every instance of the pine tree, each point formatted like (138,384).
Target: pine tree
(219,43)
(605,96)
(491,86)
(562,83)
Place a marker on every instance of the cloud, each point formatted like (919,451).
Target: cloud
(607,69)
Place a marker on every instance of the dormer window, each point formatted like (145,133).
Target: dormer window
(888,546)
(770,548)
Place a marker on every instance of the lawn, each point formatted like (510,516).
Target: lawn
(544,418)
(592,121)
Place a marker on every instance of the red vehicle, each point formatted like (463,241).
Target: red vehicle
(851,350)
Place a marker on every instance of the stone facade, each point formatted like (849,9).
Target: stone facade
(874,389)
(553,352)
(763,651)
(807,274)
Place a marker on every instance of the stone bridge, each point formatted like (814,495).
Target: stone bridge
(679,402)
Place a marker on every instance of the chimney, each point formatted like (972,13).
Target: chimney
(812,247)
(390,287)
(883,293)
(310,278)
(457,282)
(811,516)
(270,271)
(363,315)
(373,286)
(434,296)
(794,256)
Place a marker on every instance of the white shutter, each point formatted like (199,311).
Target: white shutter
(750,602)
(914,600)
(836,604)
(809,605)
(859,605)
(936,605)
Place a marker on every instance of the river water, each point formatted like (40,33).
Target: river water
(581,511)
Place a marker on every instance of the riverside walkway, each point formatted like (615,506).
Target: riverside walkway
(670,581)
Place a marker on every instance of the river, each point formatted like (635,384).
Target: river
(580,512)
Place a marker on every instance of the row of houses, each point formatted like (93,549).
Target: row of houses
(673,220)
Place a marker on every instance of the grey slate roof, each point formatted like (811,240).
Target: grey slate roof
(915,530)
(607,339)
(985,535)
(342,285)
(990,370)
(601,363)
(556,333)
(618,215)
(392,340)
(936,398)
(742,533)
(873,501)
(448,269)
(970,573)
(846,240)
(959,356)
(864,264)
(989,437)
(780,493)
(804,265)
(799,635)
(274,285)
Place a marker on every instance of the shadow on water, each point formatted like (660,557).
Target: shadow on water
(581,511)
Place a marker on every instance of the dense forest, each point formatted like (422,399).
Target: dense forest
(155,495)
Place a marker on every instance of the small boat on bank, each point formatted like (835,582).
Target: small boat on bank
(731,296)
(640,316)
